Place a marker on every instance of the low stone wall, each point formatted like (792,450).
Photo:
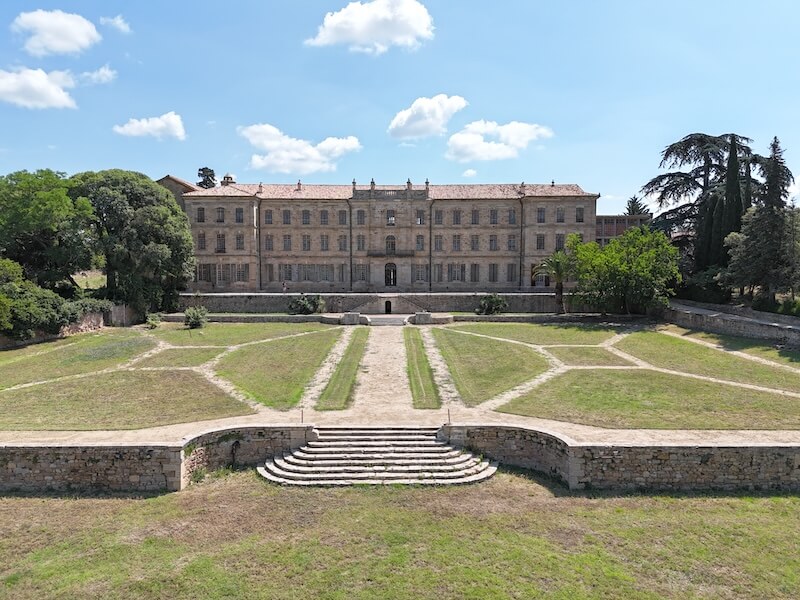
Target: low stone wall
(744,311)
(89,322)
(732,325)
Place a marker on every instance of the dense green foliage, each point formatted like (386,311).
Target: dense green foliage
(560,266)
(632,273)
(307,305)
(491,304)
(207,178)
(195,317)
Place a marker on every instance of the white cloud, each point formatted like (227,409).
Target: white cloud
(34,88)
(469,173)
(286,154)
(55,32)
(117,23)
(426,117)
(373,27)
(471,142)
(104,74)
(167,125)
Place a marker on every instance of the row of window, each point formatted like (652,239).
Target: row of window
(221,243)
(450,272)
(391,243)
(391,217)
(221,274)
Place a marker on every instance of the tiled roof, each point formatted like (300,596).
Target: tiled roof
(183,182)
(436,192)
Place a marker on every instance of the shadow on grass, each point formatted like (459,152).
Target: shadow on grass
(733,343)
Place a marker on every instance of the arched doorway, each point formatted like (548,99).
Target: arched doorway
(390,275)
(388,307)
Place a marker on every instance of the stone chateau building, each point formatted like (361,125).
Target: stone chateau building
(384,238)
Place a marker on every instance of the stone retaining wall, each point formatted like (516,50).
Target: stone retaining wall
(733,325)
(88,322)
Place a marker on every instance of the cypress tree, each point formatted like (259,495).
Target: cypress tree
(732,217)
(716,251)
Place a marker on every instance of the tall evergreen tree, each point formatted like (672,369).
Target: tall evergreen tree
(207,177)
(732,214)
(635,206)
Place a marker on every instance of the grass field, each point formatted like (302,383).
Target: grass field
(672,353)
(229,334)
(180,357)
(652,400)
(482,368)
(338,394)
(119,400)
(424,392)
(761,348)
(236,536)
(544,334)
(597,357)
(275,373)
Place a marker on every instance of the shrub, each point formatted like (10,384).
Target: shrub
(32,309)
(153,320)
(705,286)
(491,305)
(765,302)
(195,317)
(790,307)
(78,308)
(307,305)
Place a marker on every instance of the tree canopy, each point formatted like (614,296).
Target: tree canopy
(207,177)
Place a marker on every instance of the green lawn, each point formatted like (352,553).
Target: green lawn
(424,392)
(672,353)
(578,356)
(338,394)
(482,368)
(652,400)
(761,348)
(120,400)
(90,280)
(77,354)
(544,334)
(180,357)
(229,334)
(276,373)
(235,536)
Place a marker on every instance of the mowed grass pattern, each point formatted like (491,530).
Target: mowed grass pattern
(75,355)
(544,334)
(510,537)
(673,353)
(652,400)
(229,334)
(119,400)
(275,373)
(481,368)
(180,357)
(596,357)
(338,394)
(424,392)
(760,348)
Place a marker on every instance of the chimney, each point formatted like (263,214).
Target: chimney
(299,186)
(372,185)
(354,186)
(408,184)
(522,188)
(427,185)
(553,183)
(227,179)
(260,188)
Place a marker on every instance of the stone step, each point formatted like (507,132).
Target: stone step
(372,454)
(376,437)
(358,430)
(380,460)
(366,442)
(376,449)
(275,468)
(288,465)
(478,477)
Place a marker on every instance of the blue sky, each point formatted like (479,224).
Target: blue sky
(583,92)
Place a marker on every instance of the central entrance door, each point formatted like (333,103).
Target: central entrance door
(390,275)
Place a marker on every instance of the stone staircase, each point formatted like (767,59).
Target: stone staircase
(377,455)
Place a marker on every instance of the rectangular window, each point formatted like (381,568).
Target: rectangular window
(512,243)
(206,272)
(201,241)
(361,273)
(286,272)
(361,242)
(342,217)
(493,216)
(287,217)
(512,216)
(340,269)
(438,243)
(475,273)
(220,242)
(438,217)
(224,273)
(560,214)
(541,280)
(242,272)
(420,242)
(437,273)
(456,272)
(240,241)
(287,242)
(201,215)
(474,243)
(476,216)
(456,243)
(269,243)
(390,218)
(323,217)
(239,215)
(540,214)
(559,241)
(493,272)
(306,243)
(268,217)
(270,272)
(511,272)
(420,217)
(361,217)
(306,217)
(579,214)
(420,272)
(342,243)
(220,215)
(540,241)
(326,273)
(456,217)
(323,243)
(493,243)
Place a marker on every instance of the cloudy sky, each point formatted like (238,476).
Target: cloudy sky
(580,91)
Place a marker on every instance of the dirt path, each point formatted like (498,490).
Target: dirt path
(382,381)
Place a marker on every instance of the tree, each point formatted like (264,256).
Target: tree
(632,273)
(143,235)
(207,178)
(635,206)
(43,228)
(560,267)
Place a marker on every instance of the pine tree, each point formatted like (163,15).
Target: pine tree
(732,214)
(207,177)
(635,206)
